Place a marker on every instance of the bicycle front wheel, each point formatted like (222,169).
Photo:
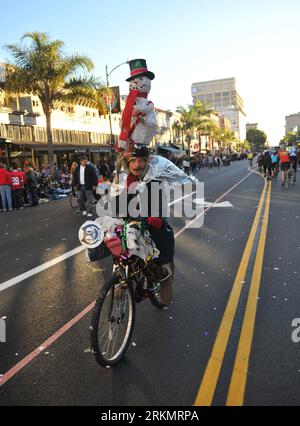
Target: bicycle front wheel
(73,201)
(113,322)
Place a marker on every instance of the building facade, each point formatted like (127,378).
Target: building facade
(292,123)
(76,129)
(222,96)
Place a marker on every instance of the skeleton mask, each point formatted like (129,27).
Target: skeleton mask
(142,84)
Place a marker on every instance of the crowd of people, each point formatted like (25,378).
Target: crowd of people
(18,188)
(270,161)
(28,186)
(191,165)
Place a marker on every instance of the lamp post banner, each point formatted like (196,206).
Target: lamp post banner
(112,100)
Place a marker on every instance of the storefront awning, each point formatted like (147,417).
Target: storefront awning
(92,148)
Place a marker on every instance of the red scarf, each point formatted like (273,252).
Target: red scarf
(127,115)
(131,179)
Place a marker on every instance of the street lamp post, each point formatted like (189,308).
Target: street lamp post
(181,135)
(107,85)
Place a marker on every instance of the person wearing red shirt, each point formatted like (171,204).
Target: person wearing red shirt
(285,161)
(17,186)
(25,196)
(5,189)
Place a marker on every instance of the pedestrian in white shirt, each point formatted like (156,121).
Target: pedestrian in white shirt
(85,179)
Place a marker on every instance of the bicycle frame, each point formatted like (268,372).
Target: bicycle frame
(136,272)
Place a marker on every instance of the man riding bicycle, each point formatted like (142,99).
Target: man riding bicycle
(285,161)
(140,169)
(267,164)
(250,158)
(275,163)
(259,161)
(293,157)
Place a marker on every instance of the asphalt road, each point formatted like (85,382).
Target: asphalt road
(169,363)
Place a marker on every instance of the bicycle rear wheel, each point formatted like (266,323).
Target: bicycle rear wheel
(293,176)
(288,180)
(113,321)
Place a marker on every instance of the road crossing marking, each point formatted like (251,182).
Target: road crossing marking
(205,203)
(38,269)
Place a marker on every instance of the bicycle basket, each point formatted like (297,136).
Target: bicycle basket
(98,253)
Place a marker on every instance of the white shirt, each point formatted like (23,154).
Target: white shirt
(82,170)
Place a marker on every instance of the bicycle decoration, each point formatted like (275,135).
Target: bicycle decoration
(139,124)
(91,234)
(123,239)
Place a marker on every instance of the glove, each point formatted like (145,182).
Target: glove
(155,222)
(122,144)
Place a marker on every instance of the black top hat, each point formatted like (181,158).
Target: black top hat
(139,151)
(138,68)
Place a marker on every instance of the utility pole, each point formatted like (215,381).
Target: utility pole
(109,110)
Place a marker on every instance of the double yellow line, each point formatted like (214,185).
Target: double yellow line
(239,376)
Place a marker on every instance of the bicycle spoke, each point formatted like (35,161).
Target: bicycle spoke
(115,340)
(104,333)
(114,323)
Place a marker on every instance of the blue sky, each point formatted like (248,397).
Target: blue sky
(183,42)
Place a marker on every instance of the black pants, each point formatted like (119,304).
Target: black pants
(17,198)
(269,168)
(165,242)
(33,195)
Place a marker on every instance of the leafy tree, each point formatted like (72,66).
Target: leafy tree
(291,138)
(195,118)
(187,122)
(223,137)
(42,69)
(243,145)
(201,114)
(257,138)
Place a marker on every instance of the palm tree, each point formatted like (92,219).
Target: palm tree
(42,69)
(201,114)
(290,137)
(229,138)
(196,118)
(223,137)
(186,122)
